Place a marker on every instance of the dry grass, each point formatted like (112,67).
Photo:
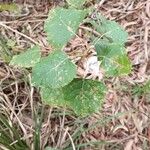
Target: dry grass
(123,124)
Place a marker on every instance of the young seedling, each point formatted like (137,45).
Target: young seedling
(55,74)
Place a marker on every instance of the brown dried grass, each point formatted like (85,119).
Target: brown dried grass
(124,122)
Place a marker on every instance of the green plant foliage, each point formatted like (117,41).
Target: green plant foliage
(85,96)
(141,90)
(53,97)
(9,134)
(110,29)
(113,58)
(82,96)
(76,3)
(55,74)
(61,25)
(114,31)
(54,71)
(27,59)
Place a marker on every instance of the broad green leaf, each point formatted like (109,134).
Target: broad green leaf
(124,65)
(82,96)
(114,59)
(76,3)
(62,24)
(85,96)
(114,31)
(28,58)
(110,29)
(53,97)
(55,71)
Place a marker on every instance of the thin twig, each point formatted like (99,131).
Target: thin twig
(19,33)
(22,21)
(101,3)
(91,30)
(72,143)
(145,42)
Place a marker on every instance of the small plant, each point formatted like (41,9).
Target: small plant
(55,74)
(141,90)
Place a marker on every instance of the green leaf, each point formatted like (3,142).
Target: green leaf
(28,58)
(53,97)
(114,31)
(82,96)
(76,3)
(124,65)
(85,96)
(110,29)
(54,71)
(62,24)
(114,59)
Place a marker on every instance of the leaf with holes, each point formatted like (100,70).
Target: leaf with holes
(113,58)
(61,25)
(82,96)
(55,71)
(27,59)
(76,3)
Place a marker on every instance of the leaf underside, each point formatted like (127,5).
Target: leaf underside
(55,71)
(82,96)
(27,59)
(62,24)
